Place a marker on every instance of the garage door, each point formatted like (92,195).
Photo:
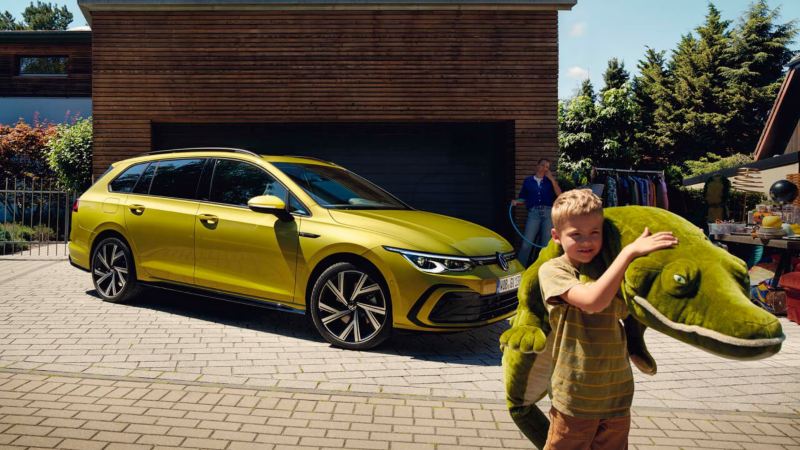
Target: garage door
(457,169)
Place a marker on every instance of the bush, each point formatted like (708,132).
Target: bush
(712,163)
(71,154)
(43,233)
(691,205)
(23,149)
(14,232)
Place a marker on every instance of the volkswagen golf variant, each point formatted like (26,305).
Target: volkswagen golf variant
(292,233)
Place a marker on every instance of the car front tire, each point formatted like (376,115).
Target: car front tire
(113,272)
(351,307)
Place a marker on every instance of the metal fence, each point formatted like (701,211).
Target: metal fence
(35,216)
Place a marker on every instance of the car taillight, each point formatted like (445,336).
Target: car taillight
(75,206)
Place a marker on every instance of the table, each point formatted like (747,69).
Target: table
(788,247)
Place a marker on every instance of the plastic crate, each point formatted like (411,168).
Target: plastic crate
(793,309)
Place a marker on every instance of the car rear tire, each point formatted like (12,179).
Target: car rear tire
(350,306)
(113,272)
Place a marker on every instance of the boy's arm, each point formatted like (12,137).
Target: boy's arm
(595,297)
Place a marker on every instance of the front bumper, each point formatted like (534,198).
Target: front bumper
(442,302)
(453,306)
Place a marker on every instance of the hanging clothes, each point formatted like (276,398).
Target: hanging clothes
(645,188)
(611,191)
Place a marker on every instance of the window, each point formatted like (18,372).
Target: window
(49,66)
(296,207)
(236,182)
(143,185)
(177,178)
(127,179)
(337,188)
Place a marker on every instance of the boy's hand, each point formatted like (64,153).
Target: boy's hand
(647,243)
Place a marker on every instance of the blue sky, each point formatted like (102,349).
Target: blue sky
(596,30)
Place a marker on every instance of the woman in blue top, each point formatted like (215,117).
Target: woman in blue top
(537,194)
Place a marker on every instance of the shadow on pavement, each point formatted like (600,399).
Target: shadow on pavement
(477,347)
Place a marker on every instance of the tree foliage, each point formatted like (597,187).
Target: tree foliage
(70,154)
(42,16)
(704,101)
(23,149)
(600,128)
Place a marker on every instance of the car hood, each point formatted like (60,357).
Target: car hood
(426,231)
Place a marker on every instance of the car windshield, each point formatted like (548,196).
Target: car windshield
(336,188)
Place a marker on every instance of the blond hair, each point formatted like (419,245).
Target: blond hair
(574,203)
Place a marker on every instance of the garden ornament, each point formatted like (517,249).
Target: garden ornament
(695,292)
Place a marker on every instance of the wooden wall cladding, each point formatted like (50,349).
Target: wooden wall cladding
(794,141)
(324,66)
(77,83)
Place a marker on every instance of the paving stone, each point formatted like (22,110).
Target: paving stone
(133,371)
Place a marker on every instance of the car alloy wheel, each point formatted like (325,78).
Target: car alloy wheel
(112,271)
(351,308)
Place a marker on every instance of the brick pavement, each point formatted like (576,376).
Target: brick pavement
(174,370)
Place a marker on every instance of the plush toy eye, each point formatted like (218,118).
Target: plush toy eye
(680,278)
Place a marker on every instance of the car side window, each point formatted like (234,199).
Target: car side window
(143,185)
(236,182)
(295,206)
(127,179)
(177,178)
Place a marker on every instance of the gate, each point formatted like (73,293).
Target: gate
(35,218)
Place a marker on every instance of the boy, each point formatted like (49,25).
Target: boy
(591,383)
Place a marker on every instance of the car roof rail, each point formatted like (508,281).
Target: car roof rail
(202,149)
(312,158)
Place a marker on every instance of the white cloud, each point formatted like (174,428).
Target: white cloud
(578,73)
(578,29)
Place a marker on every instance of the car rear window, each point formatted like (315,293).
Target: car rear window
(143,185)
(177,178)
(127,179)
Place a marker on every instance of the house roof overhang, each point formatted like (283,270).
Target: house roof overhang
(783,116)
(89,6)
(33,37)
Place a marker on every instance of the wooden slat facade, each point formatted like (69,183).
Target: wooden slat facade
(324,66)
(794,141)
(77,83)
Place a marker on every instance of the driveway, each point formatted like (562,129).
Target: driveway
(54,331)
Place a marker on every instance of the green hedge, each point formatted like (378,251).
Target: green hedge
(21,236)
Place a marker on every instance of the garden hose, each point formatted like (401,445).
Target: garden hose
(516,228)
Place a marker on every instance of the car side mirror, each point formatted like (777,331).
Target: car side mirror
(267,204)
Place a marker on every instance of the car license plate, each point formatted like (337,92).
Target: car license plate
(506,284)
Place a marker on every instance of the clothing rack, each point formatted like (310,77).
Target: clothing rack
(652,191)
(609,169)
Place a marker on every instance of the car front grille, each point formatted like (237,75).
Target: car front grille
(470,307)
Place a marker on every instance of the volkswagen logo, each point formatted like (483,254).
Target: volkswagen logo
(502,261)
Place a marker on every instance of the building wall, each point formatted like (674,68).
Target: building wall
(50,109)
(78,82)
(794,141)
(768,177)
(324,66)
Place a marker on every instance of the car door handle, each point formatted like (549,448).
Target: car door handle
(137,209)
(208,219)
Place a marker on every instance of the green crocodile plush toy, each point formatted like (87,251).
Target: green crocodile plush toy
(695,292)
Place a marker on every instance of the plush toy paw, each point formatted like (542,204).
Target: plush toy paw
(645,363)
(524,338)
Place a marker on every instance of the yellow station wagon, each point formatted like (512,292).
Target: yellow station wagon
(294,233)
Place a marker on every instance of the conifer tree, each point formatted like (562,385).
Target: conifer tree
(42,16)
(615,75)
(46,16)
(758,54)
(8,22)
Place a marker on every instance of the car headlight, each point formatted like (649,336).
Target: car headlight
(432,263)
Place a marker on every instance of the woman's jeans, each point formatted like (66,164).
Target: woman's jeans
(537,230)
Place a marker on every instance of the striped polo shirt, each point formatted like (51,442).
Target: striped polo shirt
(591,376)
